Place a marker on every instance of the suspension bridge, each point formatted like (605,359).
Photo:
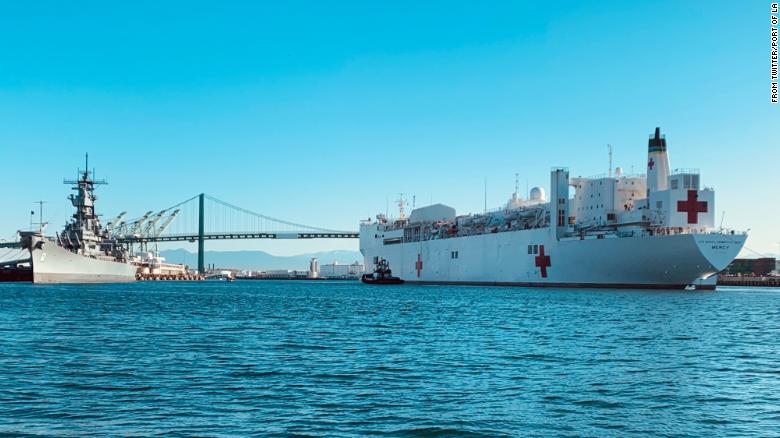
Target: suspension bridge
(204,217)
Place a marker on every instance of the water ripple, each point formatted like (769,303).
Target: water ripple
(341,359)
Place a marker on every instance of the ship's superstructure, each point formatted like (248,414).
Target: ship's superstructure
(83,234)
(84,252)
(654,230)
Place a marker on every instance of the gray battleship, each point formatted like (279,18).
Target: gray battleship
(84,252)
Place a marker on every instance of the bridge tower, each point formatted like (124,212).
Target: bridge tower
(201,227)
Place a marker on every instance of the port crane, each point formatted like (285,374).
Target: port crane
(135,226)
(167,222)
(151,224)
(117,221)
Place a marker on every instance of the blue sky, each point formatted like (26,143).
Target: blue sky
(318,113)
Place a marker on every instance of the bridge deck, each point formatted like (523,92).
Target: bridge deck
(220,236)
(225,236)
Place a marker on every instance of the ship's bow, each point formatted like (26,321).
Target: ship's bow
(53,264)
(720,249)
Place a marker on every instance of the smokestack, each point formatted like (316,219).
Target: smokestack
(657,163)
(656,143)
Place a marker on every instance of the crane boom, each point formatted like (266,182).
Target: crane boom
(167,221)
(136,225)
(150,225)
(113,222)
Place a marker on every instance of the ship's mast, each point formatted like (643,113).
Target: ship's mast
(40,214)
(401,207)
(517,187)
(485,210)
(85,186)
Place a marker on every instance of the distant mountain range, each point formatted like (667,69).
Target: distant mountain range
(259,260)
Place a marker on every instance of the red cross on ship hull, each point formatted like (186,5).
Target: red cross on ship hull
(692,206)
(543,261)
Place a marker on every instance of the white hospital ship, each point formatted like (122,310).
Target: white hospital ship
(648,231)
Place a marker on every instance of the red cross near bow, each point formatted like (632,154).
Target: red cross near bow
(650,164)
(692,206)
(543,261)
(418,264)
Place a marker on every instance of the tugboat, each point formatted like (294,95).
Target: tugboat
(381,275)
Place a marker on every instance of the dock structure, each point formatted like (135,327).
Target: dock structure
(752,281)
(168,277)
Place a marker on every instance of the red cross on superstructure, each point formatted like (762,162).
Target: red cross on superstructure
(692,206)
(418,264)
(650,164)
(543,261)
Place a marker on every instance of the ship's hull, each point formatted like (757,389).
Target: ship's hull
(23,274)
(53,264)
(657,262)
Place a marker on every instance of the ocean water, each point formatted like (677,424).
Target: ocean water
(345,359)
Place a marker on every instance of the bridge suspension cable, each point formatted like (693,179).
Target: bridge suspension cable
(194,219)
(269,218)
